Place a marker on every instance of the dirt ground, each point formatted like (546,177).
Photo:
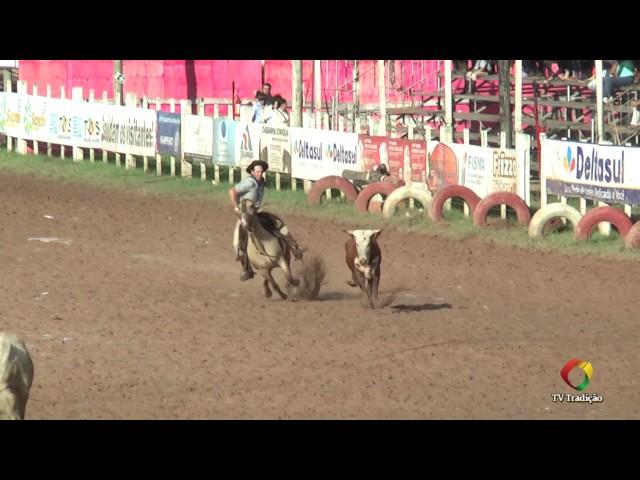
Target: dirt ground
(135,310)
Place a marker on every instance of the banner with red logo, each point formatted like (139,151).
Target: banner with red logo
(418,161)
(482,169)
(372,151)
(247,143)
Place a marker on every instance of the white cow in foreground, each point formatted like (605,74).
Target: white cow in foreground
(16,377)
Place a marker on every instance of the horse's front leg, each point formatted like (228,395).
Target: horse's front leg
(267,290)
(273,283)
(283,263)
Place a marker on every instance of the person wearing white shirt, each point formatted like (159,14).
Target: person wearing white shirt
(279,116)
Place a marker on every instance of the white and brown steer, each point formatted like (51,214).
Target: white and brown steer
(363,258)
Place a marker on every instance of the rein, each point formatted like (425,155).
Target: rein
(258,243)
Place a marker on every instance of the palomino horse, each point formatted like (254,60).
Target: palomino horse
(16,377)
(265,250)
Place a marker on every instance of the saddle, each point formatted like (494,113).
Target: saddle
(273,224)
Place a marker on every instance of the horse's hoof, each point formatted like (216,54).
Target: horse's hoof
(244,276)
(351,283)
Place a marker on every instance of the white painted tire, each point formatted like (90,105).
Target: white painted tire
(549,212)
(402,193)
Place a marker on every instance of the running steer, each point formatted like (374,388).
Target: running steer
(363,259)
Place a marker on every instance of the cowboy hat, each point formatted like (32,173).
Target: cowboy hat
(263,164)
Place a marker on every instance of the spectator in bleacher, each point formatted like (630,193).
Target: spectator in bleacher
(279,116)
(533,68)
(586,68)
(569,69)
(621,74)
(460,66)
(575,69)
(480,67)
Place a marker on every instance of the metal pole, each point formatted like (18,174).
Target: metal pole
(382,128)
(356,94)
(117,84)
(448,97)
(504,89)
(296,117)
(599,104)
(517,114)
(317,92)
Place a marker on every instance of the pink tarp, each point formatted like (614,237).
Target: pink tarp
(181,79)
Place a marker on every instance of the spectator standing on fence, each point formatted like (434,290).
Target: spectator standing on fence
(279,116)
(266,91)
(258,107)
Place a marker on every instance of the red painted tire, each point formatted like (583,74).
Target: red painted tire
(632,239)
(332,181)
(370,191)
(602,214)
(451,191)
(498,198)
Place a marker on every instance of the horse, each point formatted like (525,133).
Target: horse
(16,377)
(265,249)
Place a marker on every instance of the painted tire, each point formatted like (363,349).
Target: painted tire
(402,193)
(602,214)
(632,240)
(451,191)
(548,213)
(370,191)
(498,198)
(332,181)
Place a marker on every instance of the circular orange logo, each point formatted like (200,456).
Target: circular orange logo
(443,168)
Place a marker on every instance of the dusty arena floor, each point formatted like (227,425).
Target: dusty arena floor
(131,307)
